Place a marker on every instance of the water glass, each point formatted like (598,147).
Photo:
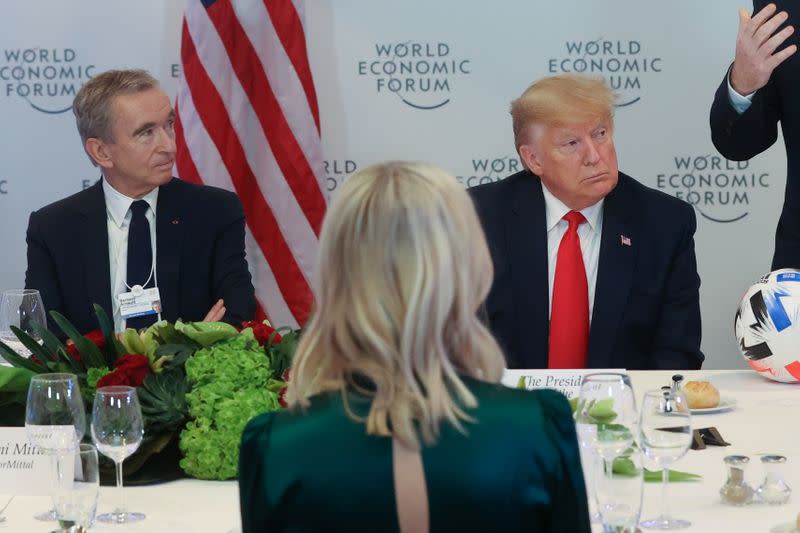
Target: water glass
(605,419)
(117,431)
(20,308)
(76,488)
(619,494)
(55,419)
(665,436)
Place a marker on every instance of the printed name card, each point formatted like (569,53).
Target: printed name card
(24,468)
(567,382)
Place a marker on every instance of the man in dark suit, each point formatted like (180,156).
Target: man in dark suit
(592,268)
(140,243)
(758,91)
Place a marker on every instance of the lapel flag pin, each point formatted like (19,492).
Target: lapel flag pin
(626,241)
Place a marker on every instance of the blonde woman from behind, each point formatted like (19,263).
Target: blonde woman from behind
(397,421)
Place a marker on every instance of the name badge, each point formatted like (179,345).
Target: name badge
(139,302)
(567,382)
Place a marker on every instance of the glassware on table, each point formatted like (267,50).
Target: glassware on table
(665,429)
(773,490)
(55,419)
(76,489)
(605,419)
(619,495)
(736,490)
(20,308)
(117,431)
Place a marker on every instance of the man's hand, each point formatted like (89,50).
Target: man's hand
(755,48)
(216,313)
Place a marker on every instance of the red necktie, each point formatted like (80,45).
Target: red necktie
(569,318)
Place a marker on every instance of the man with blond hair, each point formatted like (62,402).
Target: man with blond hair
(592,268)
(140,243)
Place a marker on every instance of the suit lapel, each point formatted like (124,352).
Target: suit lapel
(94,246)
(614,275)
(527,245)
(169,233)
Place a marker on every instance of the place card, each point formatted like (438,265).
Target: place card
(24,468)
(567,382)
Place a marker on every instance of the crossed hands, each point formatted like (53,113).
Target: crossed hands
(756,43)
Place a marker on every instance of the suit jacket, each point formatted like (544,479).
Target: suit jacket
(200,254)
(646,306)
(742,136)
(517,469)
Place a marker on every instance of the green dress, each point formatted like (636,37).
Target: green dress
(517,469)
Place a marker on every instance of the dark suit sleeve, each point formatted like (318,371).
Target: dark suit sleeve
(742,136)
(41,273)
(570,509)
(676,341)
(231,278)
(253,503)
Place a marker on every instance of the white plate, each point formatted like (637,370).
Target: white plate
(725,403)
(788,527)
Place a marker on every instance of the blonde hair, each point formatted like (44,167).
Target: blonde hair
(563,99)
(403,267)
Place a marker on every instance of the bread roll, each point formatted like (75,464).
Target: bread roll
(701,394)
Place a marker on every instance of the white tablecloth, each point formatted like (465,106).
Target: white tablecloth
(762,422)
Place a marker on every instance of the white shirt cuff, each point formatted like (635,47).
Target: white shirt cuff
(739,102)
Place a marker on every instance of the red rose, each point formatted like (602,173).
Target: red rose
(135,366)
(73,352)
(262,332)
(114,378)
(97,338)
(286,374)
(282,398)
(130,369)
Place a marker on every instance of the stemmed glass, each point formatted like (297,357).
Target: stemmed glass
(20,308)
(75,495)
(604,419)
(666,434)
(117,431)
(55,420)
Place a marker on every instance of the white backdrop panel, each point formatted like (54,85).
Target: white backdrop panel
(431,81)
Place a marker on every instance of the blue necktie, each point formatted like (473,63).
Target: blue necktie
(140,258)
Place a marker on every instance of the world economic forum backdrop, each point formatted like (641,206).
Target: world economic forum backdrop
(427,80)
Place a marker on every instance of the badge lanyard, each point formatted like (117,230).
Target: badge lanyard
(137,289)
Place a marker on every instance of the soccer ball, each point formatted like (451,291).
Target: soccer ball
(767,326)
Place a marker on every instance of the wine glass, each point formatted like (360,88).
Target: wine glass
(20,308)
(55,419)
(665,436)
(619,495)
(77,486)
(117,431)
(604,420)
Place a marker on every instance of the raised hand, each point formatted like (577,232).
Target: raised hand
(756,43)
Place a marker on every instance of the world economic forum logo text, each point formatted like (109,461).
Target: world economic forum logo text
(420,74)
(46,78)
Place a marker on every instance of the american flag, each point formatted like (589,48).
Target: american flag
(248,122)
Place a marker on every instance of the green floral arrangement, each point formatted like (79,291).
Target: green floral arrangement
(198,383)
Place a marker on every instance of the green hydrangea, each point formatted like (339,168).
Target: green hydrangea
(229,387)
(93,375)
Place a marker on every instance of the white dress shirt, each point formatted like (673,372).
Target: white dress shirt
(118,213)
(590,233)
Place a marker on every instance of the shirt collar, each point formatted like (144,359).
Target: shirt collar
(117,204)
(555,210)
